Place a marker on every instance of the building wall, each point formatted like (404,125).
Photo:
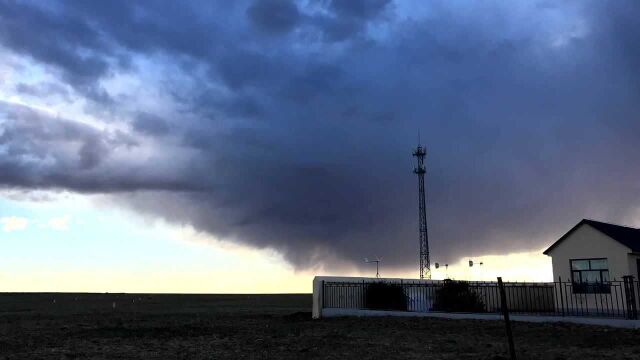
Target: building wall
(633,266)
(585,243)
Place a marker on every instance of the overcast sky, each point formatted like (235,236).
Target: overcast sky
(288,126)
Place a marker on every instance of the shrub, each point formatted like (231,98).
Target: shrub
(383,296)
(455,296)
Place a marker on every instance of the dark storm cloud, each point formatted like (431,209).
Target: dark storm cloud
(363,9)
(39,151)
(302,142)
(274,16)
(346,19)
(87,42)
(44,89)
(69,44)
(150,124)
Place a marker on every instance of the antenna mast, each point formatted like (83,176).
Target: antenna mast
(420,170)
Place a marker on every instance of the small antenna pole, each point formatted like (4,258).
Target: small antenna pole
(377,261)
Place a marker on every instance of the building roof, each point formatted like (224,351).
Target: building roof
(627,236)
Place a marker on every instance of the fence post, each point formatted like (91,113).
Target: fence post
(561,296)
(507,321)
(630,297)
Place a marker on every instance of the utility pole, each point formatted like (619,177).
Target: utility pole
(420,170)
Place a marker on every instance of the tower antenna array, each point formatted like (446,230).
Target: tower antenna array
(420,170)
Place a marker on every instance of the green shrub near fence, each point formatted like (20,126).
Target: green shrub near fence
(456,296)
(384,296)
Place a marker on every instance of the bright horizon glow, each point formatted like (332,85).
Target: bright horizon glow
(73,244)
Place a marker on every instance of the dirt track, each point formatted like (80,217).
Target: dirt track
(86,326)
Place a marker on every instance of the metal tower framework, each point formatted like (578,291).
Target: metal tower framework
(420,170)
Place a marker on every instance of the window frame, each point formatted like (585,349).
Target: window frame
(584,287)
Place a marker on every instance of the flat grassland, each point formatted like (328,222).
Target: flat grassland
(150,326)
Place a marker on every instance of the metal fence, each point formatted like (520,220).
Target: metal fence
(613,299)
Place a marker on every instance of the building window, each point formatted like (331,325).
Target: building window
(590,276)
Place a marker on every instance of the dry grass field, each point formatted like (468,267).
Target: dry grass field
(142,326)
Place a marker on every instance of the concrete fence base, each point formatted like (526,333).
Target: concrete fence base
(619,323)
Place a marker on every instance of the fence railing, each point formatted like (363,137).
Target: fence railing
(614,299)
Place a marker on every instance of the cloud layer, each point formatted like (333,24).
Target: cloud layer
(290,125)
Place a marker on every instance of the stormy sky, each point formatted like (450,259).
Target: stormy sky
(290,125)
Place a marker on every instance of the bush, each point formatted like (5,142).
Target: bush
(455,296)
(383,296)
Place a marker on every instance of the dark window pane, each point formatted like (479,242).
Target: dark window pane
(605,276)
(600,264)
(576,276)
(580,264)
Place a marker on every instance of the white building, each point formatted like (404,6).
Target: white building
(596,252)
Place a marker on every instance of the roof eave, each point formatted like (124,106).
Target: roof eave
(557,242)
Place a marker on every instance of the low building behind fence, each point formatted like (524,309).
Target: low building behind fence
(613,299)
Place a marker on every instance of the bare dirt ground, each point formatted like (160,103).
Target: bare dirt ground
(141,326)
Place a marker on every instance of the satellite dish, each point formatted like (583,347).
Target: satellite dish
(437,265)
(470,263)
